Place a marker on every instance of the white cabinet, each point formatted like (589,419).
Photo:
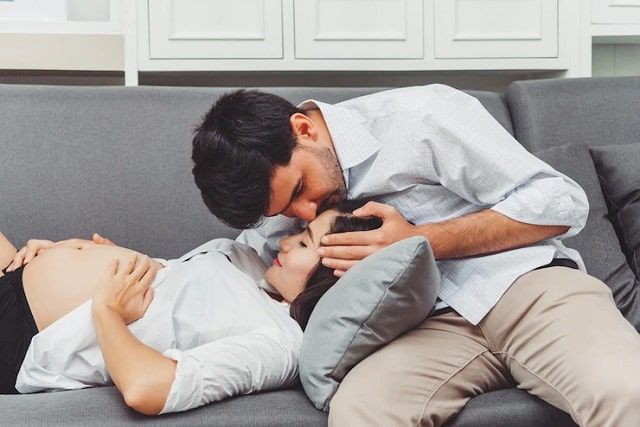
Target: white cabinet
(496,29)
(214,29)
(615,33)
(354,35)
(358,29)
(615,21)
(616,12)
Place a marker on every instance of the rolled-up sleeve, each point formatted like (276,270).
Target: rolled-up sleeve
(230,366)
(476,158)
(551,200)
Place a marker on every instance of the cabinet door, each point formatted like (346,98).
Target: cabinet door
(616,12)
(496,28)
(205,29)
(358,29)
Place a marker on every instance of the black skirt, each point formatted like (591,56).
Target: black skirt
(17,327)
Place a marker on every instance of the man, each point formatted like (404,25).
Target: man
(515,305)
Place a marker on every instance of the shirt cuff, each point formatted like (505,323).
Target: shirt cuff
(547,201)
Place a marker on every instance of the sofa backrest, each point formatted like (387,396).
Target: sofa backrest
(589,129)
(594,111)
(117,160)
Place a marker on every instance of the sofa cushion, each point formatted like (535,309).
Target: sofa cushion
(597,243)
(378,299)
(618,170)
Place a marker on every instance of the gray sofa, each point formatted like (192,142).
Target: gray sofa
(75,160)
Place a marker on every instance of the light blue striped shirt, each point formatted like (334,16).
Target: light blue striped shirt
(435,153)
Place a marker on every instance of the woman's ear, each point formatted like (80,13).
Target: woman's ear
(303,127)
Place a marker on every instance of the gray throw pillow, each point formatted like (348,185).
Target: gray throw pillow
(597,242)
(381,297)
(618,168)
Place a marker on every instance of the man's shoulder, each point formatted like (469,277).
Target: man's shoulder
(435,89)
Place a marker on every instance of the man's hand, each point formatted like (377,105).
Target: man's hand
(343,250)
(125,288)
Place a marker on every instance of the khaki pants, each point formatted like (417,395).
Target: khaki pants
(555,333)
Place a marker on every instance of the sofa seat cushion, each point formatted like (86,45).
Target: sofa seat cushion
(618,168)
(510,408)
(378,299)
(104,407)
(597,243)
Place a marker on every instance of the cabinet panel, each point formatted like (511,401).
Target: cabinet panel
(358,29)
(496,28)
(195,29)
(615,12)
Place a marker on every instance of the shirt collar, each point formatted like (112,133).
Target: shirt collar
(352,142)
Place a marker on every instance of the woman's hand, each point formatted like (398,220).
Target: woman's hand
(143,375)
(28,252)
(124,288)
(98,239)
(35,247)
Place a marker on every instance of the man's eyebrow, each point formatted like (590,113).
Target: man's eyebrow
(294,194)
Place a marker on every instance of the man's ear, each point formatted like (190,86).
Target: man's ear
(303,127)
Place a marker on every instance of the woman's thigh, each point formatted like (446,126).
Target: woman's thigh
(424,377)
(7,252)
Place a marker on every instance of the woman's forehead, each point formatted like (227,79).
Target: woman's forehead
(321,225)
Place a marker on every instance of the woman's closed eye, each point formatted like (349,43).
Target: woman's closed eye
(302,244)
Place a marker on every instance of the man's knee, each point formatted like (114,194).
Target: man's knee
(615,403)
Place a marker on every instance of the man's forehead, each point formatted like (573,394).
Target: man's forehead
(282,187)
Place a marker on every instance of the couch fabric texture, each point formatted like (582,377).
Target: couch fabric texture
(117,161)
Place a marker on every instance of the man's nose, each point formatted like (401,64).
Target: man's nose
(306,211)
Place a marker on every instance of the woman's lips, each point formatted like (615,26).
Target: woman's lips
(277,263)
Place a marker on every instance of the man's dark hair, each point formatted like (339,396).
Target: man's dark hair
(323,278)
(238,145)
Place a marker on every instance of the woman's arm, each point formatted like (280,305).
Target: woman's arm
(143,375)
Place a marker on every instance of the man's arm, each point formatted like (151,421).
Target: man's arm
(519,200)
(478,233)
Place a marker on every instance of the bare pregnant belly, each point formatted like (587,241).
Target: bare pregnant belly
(60,279)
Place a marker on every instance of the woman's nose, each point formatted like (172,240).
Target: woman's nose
(285,244)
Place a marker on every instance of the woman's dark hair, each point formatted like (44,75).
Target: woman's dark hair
(238,145)
(323,278)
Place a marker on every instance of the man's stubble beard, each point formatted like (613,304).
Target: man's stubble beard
(334,173)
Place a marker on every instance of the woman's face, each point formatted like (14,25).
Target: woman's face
(298,258)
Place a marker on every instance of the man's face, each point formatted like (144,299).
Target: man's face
(309,184)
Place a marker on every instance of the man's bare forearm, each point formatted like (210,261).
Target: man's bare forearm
(482,233)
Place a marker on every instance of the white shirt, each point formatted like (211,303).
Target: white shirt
(435,153)
(226,334)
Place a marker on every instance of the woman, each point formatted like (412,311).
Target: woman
(171,335)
